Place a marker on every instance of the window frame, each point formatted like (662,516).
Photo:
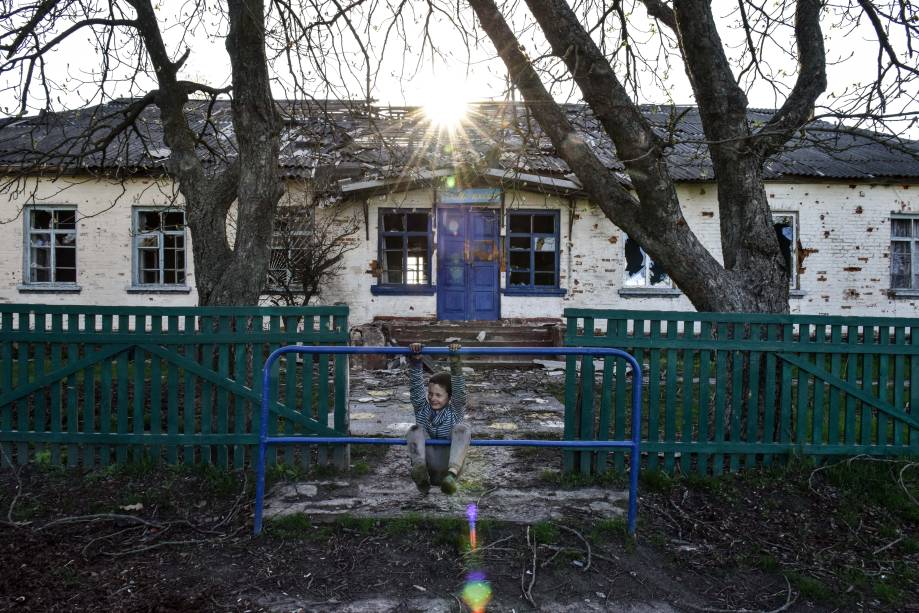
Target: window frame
(383,288)
(272,288)
(532,289)
(28,231)
(137,284)
(794,280)
(913,240)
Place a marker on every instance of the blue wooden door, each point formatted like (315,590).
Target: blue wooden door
(467,264)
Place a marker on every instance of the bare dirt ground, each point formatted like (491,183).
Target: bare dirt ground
(154,538)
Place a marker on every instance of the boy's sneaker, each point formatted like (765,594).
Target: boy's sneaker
(448,485)
(421,478)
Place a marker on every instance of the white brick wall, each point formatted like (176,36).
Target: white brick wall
(103,241)
(844,234)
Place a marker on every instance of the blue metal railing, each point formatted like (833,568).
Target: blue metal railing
(264,440)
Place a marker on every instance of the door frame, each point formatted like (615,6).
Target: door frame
(468,209)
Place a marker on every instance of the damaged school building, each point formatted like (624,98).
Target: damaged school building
(480,223)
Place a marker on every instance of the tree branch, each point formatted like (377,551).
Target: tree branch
(661,12)
(811,82)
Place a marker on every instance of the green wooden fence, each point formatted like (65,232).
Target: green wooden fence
(88,385)
(727,391)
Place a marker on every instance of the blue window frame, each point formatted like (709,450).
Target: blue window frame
(405,245)
(532,253)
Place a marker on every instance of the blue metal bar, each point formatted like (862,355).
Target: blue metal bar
(634,443)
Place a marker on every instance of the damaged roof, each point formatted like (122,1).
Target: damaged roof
(342,142)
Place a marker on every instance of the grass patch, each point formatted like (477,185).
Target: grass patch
(811,588)
(546,532)
(610,478)
(610,528)
(297,526)
(866,482)
(656,481)
(361,525)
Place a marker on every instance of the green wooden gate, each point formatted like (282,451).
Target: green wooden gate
(728,391)
(86,385)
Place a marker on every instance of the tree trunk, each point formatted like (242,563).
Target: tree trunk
(225,276)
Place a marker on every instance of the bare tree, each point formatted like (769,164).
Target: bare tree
(307,252)
(752,275)
(129,59)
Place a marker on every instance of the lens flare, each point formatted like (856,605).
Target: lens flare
(477,591)
(471,513)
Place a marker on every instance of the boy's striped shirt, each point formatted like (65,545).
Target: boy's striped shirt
(437,424)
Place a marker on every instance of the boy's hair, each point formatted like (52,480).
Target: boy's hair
(443,379)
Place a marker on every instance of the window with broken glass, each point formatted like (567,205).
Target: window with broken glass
(532,251)
(52,254)
(159,247)
(405,248)
(904,252)
(786,229)
(641,270)
(289,244)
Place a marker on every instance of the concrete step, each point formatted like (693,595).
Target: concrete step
(537,332)
(438,331)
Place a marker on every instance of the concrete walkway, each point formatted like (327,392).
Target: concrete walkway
(508,484)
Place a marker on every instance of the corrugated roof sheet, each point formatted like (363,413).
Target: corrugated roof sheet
(361,142)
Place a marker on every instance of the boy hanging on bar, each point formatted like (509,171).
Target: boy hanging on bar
(439,412)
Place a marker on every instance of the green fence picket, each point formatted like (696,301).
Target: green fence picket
(883,367)
(852,377)
(571,411)
(705,406)
(156,390)
(243,411)
(753,411)
(769,392)
(622,404)
(122,408)
(54,426)
(670,397)
(22,406)
(342,385)
(290,387)
(820,359)
(721,387)
(688,368)
(309,406)
(40,405)
(654,392)
(207,325)
(222,408)
(172,396)
(322,380)
(803,396)
(914,388)
(6,384)
(866,420)
(834,433)
(899,385)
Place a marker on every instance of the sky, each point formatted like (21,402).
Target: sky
(462,69)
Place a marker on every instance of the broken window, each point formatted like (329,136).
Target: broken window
(405,247)
(641,270)
(904,267)
(532,250)
(159,247)
(786,229)
(289,247)
(52,252)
